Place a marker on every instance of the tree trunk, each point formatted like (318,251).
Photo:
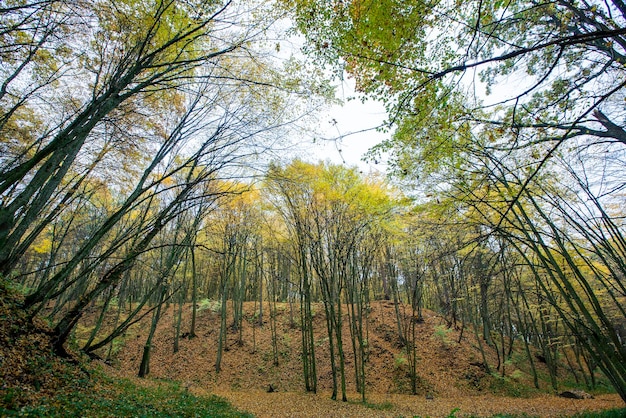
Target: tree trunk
(144,367)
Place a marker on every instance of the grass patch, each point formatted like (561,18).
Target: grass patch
(382,406)
(602,386)
(609,413)
(506,386)
(400,361)
(442,334)
(452,414)
(120,397)
(208,304)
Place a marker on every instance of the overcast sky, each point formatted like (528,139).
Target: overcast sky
(347,122)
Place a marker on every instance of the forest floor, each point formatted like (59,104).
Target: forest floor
(450,367)
(290,404)
(452,381)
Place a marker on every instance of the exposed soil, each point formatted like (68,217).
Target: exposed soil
(451,372)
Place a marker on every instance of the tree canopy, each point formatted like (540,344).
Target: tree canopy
(128,130)
(508,116)
(531,71)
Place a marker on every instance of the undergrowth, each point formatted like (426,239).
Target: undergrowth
(506,386)
(382,406)
(610,413)
(106,396)
(34,382)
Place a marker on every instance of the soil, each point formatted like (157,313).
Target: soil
(450,368)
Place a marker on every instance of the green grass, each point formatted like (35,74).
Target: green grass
(382,406)
(510,387)
(121,398)
(610,413)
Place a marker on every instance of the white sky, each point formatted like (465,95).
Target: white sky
(340,121)
(346,121)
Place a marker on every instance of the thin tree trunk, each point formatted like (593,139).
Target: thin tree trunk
(144,367)
(194,293)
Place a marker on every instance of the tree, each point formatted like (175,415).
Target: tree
(290,195)
(561,226)
(423,59)
(145,103)
(232,226)
(118,68)
(487,98)
(336,210)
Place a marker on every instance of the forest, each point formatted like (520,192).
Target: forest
(152,160)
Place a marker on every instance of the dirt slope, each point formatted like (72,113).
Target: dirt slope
(29,370)
(445,366)
(449,371)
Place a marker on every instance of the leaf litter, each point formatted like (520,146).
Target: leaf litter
(449,369)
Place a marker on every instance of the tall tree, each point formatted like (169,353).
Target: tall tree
(149,101)
(336,211)
(99,78)
(487,98)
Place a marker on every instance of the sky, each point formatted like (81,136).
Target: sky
(340,121)
(347,122)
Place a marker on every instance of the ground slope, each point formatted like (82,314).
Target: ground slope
(445,365)
(450,371)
